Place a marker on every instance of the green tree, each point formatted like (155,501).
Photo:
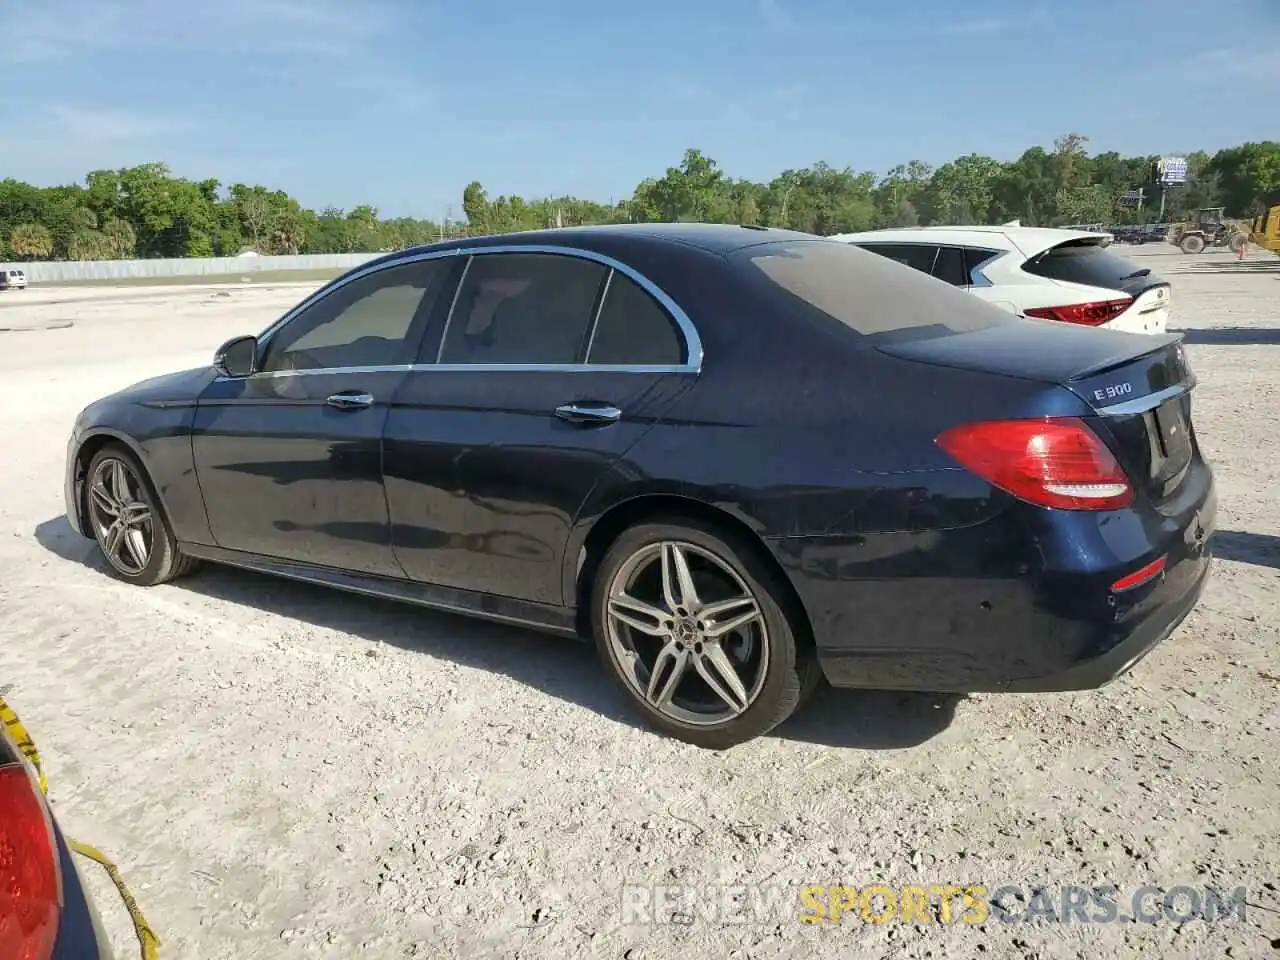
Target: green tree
(31,241)
(120,239)
(1247,175)
(475,205)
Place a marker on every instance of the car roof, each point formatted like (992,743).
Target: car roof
(715,237)
(1029,241)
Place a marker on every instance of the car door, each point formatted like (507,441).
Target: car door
(552,364)
(289,459)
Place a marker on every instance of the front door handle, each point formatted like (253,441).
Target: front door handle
(586,412)
(350,401)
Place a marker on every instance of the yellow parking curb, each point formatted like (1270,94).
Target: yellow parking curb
(147,938)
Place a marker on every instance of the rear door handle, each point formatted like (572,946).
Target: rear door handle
(350,401)
(587,413)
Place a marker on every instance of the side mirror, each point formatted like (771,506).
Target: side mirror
(237,357)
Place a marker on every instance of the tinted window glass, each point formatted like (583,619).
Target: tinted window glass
(1089,264)
(828,281)
(367,322)
(523,308)
(634,328)
(950,266)
(975,258)
(918,256)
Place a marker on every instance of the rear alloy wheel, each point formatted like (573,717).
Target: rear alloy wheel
(691,626)
(127,521)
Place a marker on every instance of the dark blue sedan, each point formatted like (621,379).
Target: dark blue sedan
(740,460)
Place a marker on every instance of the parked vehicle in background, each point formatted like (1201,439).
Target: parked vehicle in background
(1138,233)
(1070,276)
(45,910)
(738,458)
(13,279)
(1209,229)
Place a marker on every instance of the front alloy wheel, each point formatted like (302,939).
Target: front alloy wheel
(122,520)
(127,520)
(689,621)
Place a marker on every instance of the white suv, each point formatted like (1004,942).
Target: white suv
(12,279)
(1064,275)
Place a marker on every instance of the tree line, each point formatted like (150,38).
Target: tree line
(146,211)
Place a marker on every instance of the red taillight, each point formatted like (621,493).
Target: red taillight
(1086,314)
(30,895)
(1057,463)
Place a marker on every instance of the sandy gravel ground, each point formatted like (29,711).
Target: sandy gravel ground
(283,771)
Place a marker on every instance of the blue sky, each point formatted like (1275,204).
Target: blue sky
(400,103)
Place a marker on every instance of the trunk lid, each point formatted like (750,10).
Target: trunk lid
(1137,385)
(1088,264)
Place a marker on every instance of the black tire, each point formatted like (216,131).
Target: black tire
(165,561)
(792,673)
(1192,244)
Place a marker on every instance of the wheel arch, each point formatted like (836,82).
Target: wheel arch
(667,506)
(90,444)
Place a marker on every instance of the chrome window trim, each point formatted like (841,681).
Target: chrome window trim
(448,317)
(693,343)
(595,320)
(469,367)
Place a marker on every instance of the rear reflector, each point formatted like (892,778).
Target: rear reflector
(1058,463)
(30,893)
(1086,314)
(1140,576)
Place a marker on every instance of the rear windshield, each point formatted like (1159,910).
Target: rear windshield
(873,296)
(1087,263)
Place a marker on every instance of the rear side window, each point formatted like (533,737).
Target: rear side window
(523,308)
(1087,263)
(633,328)
(826,281)
(949,266)
(918,256)
(975,258)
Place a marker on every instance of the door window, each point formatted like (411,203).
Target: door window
(523,308)
(633,329)
(368,322)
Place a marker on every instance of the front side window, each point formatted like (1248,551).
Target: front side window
(368,322)
(634,329)
(523,308)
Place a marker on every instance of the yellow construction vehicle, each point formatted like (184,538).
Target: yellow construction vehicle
(1265,231)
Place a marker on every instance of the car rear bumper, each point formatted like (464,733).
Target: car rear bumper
(931,621)
(1127,647)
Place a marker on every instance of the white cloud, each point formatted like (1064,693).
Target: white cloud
(991,26)
(775,15)
(1258,64)
(60,29)
(108,125)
